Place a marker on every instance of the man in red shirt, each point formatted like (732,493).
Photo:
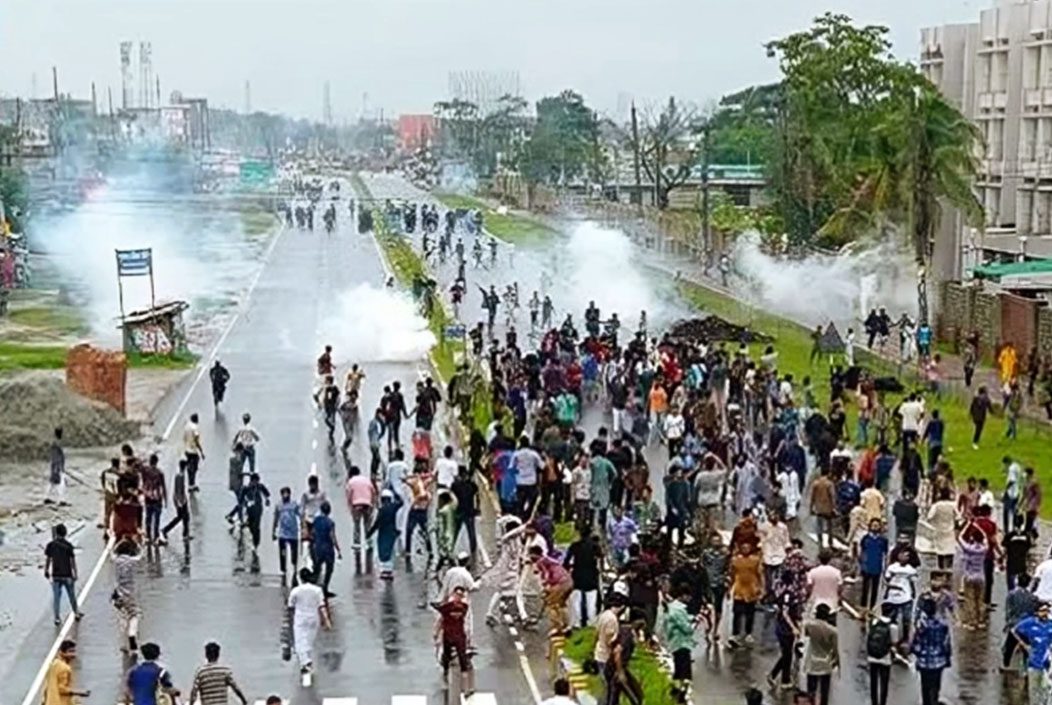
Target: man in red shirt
(451,637)
(557,585)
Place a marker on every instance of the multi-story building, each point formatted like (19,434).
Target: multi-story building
(998,71)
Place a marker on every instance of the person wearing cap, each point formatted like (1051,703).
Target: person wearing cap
(385,526)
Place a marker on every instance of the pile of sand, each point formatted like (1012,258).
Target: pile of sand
(33,405)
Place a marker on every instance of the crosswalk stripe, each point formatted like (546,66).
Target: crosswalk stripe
(408,700)
(837,543)
(339,701)
(479,699)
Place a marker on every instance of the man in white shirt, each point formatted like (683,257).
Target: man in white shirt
(824,582)
(900,578)
(561,688)
(1043,576)
(912,412)
(446,468)
(307,602)
(675,427)
(194,452)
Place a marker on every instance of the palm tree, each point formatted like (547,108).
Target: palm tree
(939,161)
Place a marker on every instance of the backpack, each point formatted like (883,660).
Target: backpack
(878,639)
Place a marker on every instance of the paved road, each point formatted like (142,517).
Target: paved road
(380,646)
(721,675)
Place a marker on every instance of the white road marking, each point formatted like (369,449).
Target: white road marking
(837,543)
(314,444)
(531,682)
(82,596)
(205,362)
(67,626)
(38,681)
(512,630)
(408,700)
(307,679)
(339,701)
(313,469)
(519,647)
(479,699)
(315,422)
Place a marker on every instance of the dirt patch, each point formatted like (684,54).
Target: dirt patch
(34,404)
(714,328)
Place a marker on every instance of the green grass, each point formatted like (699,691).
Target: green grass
(654,679)
(513,228)
(58,319)
(564,533)
(407,267)
(257,220)
(177,361)
(25,356)
(793,343)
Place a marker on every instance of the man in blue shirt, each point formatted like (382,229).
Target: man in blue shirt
(933,434)
(873,549)
(325,547)
(287,531)
(1035,633)
(144,679)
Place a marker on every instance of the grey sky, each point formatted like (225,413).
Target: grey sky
(401,51)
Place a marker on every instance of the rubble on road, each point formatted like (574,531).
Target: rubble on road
(713,328)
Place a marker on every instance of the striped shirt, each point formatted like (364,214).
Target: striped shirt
(211,683)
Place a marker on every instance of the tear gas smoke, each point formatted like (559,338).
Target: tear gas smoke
(199,257)
(368,324)
(599,264)
(821,288)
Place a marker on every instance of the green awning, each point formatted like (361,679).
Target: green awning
(998,270)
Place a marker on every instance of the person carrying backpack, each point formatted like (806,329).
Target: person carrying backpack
(881,636)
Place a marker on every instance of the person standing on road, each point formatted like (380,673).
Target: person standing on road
(678,631)
(873,551)
(931,649)
(822,655)
(326,547)
(255,497)
(194,452)
(349,418)
(451,638)
(375,432)
(881,636)
(213,681)
(557,585)
(181,503)
(309,611)
(155,498)
(1034,635)
(125,561)
(330,403)
(109,480)
(582,559)
(60,567)
(247,438)
(385,526)
(149,678)
(466,490)
(58,685)
(361,501)
(619,678)
(395,411)
(287,530)
(56,486)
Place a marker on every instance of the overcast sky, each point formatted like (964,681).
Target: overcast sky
(400,52)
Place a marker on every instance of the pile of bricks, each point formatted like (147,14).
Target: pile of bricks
(97,374)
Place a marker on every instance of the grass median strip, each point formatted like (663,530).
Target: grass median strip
(656,682)
(517,229)
(1033,447)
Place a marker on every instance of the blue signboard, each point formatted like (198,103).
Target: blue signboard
(134,263)
(456,331)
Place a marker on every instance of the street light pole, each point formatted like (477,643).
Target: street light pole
(706,234)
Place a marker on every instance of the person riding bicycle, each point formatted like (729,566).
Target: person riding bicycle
(219,377)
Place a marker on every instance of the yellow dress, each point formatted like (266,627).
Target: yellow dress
(1007,360)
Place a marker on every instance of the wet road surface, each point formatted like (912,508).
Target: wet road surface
(381,644)
(721,675)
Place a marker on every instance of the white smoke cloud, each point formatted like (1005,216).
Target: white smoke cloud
(820,288)
(369,324)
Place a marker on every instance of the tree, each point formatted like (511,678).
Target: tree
(12,182)
(837,78)
(564,144)
(743,126)
(502,132)
(669,147)
(458,127)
